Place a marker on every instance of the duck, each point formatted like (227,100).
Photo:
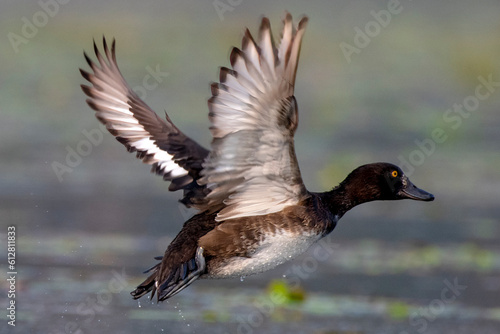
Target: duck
(253,209)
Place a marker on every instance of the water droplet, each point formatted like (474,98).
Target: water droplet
(139,303)
(284,276)
(242,278)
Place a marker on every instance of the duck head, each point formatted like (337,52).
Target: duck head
(381,181)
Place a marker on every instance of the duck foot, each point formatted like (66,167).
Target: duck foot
(169,288)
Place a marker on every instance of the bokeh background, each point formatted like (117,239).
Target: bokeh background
(89,223)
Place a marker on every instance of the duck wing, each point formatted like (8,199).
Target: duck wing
(157,142)
(252,168)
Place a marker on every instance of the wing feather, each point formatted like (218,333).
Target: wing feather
(157,142)
(252,168)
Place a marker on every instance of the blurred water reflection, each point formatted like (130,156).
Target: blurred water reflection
(85,237)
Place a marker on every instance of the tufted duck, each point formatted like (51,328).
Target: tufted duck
(254,210)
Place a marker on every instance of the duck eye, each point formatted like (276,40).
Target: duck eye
(394,173)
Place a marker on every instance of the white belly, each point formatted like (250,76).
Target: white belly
(273,251)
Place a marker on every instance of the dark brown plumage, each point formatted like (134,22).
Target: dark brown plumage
(254,210)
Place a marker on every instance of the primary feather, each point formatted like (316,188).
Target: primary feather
(252,168)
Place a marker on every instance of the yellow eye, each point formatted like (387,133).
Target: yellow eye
(394,173)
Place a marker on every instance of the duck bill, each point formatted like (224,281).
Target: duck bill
(413,192)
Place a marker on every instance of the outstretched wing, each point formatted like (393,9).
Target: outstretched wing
(252,168)
(157,142)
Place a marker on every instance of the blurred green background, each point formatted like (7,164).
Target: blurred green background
(86,232)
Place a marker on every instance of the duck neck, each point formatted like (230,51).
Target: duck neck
(341,199)
(336,201)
